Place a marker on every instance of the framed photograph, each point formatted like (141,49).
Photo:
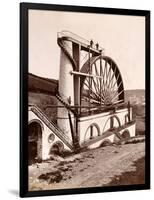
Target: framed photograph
(85,99)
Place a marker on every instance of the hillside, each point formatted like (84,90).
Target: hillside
(42,85)
(135,96)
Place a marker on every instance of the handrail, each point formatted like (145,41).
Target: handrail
(70,34)
(60,43)
(51,125)
(43,116)
(66,105)
(74,36)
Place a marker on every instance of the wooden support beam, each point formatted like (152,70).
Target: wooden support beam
(84,74)
(76,57)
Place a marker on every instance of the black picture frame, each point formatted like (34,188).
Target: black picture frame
(24,8)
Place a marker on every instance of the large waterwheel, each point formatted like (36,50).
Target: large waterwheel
(101,83)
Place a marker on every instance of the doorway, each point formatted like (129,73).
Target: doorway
(34,142)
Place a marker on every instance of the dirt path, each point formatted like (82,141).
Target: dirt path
(93,168)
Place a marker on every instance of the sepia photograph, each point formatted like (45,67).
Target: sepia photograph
(86,83)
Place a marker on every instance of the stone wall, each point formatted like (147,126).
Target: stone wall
(102,120)
(44,143)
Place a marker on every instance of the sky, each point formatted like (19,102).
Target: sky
(122,37)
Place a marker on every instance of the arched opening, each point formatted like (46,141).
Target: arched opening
(111,123)
(105,143)
(34,142)
(92,131)
(125,134)
(57,148)
(115,122)
(127,119)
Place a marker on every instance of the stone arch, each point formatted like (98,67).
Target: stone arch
(105,142)
(118,120)
(111,121)
(125,134)
(90,130)
(38,121)
(106,124)
(126,118)
(34,141)
(57,148)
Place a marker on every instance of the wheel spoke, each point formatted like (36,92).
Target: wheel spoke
(103,79)
(113,76)
(118,94)
(104,76)
(108,76)
(107,80)
(91,90)
(106,73)
(100,81)
(114,94)
(95,92)
(97,75)
(104,87)
(112,86)
(117,86)
(95,86)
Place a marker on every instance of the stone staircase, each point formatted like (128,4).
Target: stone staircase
(52,126)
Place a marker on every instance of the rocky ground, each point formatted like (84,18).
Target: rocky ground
(105,166)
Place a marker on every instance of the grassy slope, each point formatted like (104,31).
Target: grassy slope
(42,85)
